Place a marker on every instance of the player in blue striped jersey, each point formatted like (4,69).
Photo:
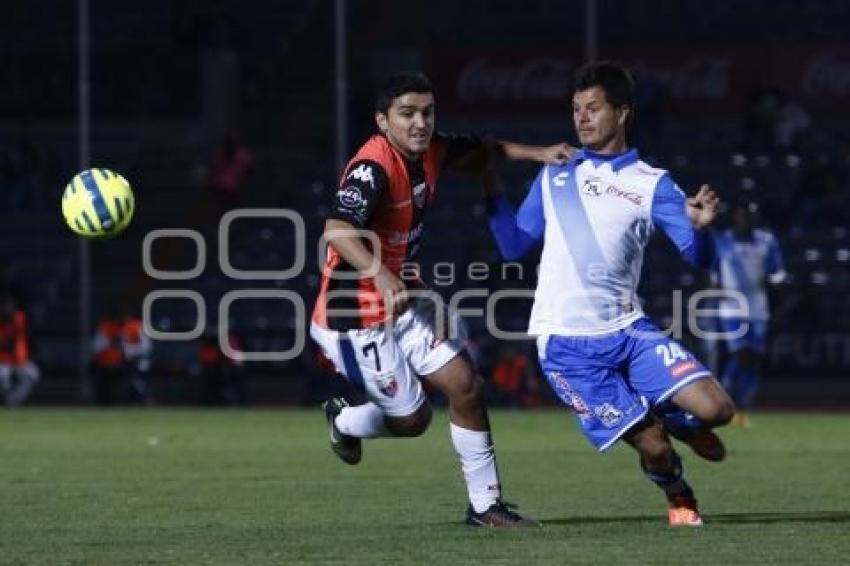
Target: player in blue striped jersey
(622,377)
(748,258)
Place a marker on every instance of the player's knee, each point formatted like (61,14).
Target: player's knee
(718,411)
(411,425)
(722,412)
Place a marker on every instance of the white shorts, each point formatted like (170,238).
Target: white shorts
(385,362)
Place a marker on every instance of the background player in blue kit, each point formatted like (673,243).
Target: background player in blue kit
(602,356)
(747,259)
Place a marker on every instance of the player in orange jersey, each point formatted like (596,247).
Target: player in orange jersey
(386,339)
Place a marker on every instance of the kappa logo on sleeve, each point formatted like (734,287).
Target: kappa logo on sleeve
(363,173)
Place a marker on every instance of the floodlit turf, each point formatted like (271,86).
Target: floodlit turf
(261,487)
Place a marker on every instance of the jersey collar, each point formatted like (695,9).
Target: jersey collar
(617,160)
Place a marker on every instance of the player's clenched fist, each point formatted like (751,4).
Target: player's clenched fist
(703,207)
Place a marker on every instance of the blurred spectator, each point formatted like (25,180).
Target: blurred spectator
(791,121)
(760,119)
(775,121)
(224,381)
(18,374)
(230,164)
(819,197)
(121,352)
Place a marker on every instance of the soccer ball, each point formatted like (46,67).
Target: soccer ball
(98,203)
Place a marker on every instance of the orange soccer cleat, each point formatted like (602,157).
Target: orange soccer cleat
(683,511)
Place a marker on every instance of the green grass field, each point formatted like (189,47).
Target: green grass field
(261,487)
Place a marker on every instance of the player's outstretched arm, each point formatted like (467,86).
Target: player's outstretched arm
(556,154)
(685,220)
(515,233)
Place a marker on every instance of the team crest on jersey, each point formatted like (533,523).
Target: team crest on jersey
(387,385)
(609,416)
(592,187)
(351,197)
(420,194)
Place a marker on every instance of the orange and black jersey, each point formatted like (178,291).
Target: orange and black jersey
(384,192)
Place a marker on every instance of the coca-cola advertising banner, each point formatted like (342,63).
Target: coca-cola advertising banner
(687,79)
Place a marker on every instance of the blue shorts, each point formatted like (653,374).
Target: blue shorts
(611,381)
(754,338)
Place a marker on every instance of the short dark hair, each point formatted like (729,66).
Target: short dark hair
(399,84)
(615,80)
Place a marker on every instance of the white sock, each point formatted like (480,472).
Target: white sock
(362,421)
(478,462)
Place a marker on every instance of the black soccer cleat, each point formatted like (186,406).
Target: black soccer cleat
(499,514)
(348,448)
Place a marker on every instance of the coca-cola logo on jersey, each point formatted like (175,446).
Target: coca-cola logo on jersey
(630,196)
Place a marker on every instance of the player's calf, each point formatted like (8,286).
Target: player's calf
(464,389)
(685,427)
(663,466)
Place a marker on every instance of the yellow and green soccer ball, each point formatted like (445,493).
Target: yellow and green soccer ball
(98,203)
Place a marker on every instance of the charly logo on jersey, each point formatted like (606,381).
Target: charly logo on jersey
(363,173)
(609,416)
(351,197)
(420,194)
(560,179)
(387,385)
(592,187)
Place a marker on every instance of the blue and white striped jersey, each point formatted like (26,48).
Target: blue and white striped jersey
(747,266)
(595,214)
